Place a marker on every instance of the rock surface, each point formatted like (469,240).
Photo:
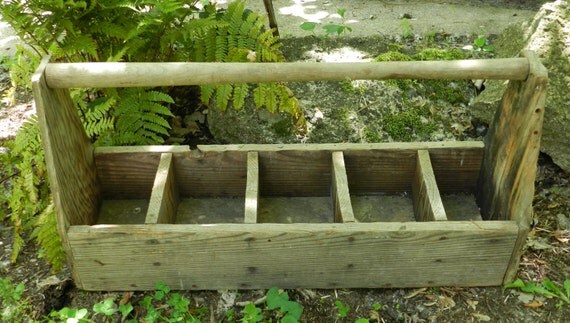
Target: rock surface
(548,34)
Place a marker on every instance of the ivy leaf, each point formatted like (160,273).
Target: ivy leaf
(480,42)
(341,12)
(308,26)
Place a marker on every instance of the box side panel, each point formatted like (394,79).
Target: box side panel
(226,256)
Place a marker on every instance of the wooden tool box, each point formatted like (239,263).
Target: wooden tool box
(289,216)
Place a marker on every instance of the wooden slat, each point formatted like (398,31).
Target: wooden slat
(251,256)
(164,197)
(506,182)
(341,195)
(427,200)
(252,188)
(69,158)
(437,146)
(100,75)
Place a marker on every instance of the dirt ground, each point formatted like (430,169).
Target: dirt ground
(546,255)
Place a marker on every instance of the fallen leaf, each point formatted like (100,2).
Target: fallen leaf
(534,304)
(538,244)
(482,317)
(415,293)
(446,302)
(525,297)
(472,304)
(126,298)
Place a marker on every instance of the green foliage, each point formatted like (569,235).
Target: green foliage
(174,309)
(12,305)
(239,35)
(330,29)
(290,310)
(251,313)
(67,314)
(548,289)
(480,44)
(406,125)
(124,30)
(341,308)
(450,91)
(407,28)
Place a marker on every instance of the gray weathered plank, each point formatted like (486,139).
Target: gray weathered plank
(506,183)
(427,200)
(252,188)
(341,195)
(226,256)
(164,198)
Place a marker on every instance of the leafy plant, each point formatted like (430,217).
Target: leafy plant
(67,314)
(12,306)
(290,310)
(125,30)
(251,313)
(341,308)
(548,289)
(330,29)
(480,44)
(407,28)
(175,309)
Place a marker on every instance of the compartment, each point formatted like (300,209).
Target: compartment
(295,187)
(380,183)
(457,173)
(212,187)
(126,179)
(405,185)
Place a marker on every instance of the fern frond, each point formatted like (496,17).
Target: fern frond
(206,92)
(240,93)
(223,95)
(47,235)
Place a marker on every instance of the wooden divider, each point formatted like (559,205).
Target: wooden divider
(252,188)
(427,199)
(343,212)
(164,197)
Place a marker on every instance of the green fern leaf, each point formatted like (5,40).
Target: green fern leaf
(47,235)
(223,95)
(259,96)
(206,92)
(240,92)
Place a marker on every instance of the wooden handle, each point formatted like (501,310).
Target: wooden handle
(100,75)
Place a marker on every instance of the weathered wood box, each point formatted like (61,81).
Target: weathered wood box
(314,216)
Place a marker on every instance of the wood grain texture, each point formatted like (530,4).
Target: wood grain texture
(211,174)
(341,195)
(127,175)
(295,173)
(101,75)
(68,156)
(251,256)
(164,198)
(428,205)
(252,188)
(506,183)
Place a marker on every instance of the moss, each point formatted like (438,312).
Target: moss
(450,91)
(436,54)
(283,128)
(392,56)
(407,125)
